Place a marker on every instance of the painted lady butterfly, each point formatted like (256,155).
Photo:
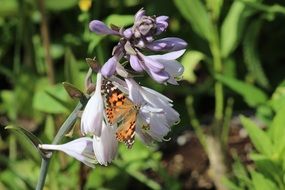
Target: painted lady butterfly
(120,110)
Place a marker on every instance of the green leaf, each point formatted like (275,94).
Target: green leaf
(277,100)
(61,5)
(8,103)
(251,56)
(120,20)
(215,6)
(233,26)
(9,8)
(190,61)
(29,136)
(278,130)
(269,9)
(262,183)
(49,130)
(230,67)
(251,94)
(230,184)
(72,71)
(94,41)
(240,172)
(258,137)
(196,14)
(56,51)
(269,167)
(51,99)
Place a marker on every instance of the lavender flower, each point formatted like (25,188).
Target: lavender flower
(106,145)
(81,149)
(139,38)
(156,110)
(91,121)
(156,114)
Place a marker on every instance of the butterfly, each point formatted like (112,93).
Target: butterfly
(120,110)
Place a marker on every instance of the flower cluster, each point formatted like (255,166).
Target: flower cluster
(146,114)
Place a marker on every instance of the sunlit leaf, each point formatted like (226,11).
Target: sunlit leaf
(258,137)
(119,20)
(60,5)
(260,182)
(251,94)
(51,99)
(49,130)
(94,41)
(270,9)
(233,27)
(251,56)
(72,71)
(278,130)
(215,6)
(277,100)
(196,14)
(9,8)
(190,60)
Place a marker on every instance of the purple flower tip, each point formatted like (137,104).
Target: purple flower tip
(100,28)
(167,44)
(128,33)
(109,67)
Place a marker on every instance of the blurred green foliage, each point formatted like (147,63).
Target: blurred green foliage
(238,45)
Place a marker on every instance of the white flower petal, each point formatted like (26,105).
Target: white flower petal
(105,146)
(158,125)
(91,121)
(81,149)
(169,56)
(134,92)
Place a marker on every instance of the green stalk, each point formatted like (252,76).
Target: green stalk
(227,119)
(218,67)
(216,151)
(66,126)
(195,122)
(43,173)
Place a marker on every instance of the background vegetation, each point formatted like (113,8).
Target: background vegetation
(234,65)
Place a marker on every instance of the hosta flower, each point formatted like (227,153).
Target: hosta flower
(156,109)
(146,27)
(167,44)
(140,38)
(92,123)
(92,116)
(81,149)
(106,145)
(155,116)
(162,68)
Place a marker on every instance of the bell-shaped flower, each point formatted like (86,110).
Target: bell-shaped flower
(81,149)
(99,27)
(109,68)
(162,68)
(167,44)
(91,120)
(106,145)
(156,114)
(161,24)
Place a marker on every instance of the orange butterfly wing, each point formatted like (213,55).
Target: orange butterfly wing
(121,110)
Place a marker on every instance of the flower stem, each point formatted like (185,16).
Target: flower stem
(66,126)
(217,62)
(195,122)
(43,173)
